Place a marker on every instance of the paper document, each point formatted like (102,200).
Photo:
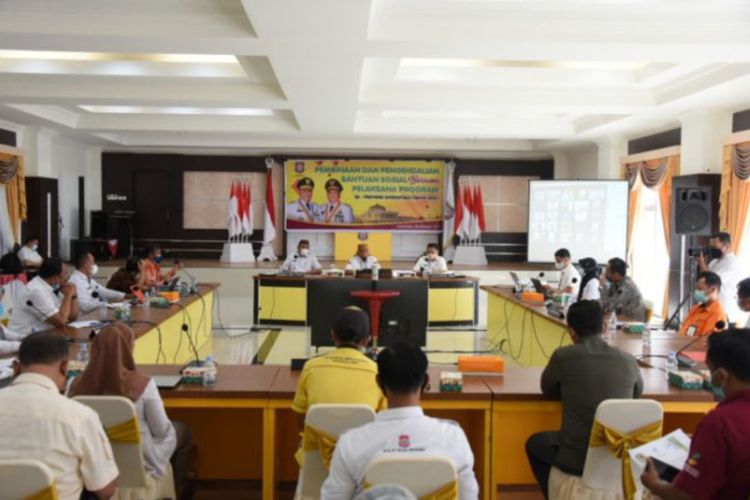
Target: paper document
(672,449)
(6,368)
(86,323)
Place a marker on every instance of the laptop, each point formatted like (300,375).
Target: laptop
(539,287)
(516,281)
(167,381)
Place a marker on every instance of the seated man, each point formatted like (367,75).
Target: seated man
(621,294)
(706,315)
(9,341)
(29,254)
(362,259)
(581,375)
(401,430)
(91,295)
(42,424)
(48,301)
(302,261)
(570,278)
(153,275)
(431,262)
(718,466)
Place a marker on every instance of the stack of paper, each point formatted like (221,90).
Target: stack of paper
(671,449)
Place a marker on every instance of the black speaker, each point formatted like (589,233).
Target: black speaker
(693,208)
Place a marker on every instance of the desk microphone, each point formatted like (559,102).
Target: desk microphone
(192,345)
(684,361)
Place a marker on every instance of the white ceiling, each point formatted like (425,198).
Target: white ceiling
(380,75)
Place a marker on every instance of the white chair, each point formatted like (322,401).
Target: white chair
(22,478)
(333,420)
(133,482)
(422,475)
(602,472)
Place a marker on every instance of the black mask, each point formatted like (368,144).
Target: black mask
(716,253)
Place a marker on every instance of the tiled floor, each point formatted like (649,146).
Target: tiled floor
(280,346)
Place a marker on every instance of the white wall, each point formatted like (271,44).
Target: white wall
(577,163)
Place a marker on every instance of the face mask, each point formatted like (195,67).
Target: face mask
(716,253)
(304,252)
(2,310)
(35,247)
(699,296)
(559,266)
(94,270)
(158,259)
(431,256)
(56,288)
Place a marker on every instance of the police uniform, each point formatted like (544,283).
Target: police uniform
(300,263)
(357,263)
(301,211)
(399,432)
(338,213)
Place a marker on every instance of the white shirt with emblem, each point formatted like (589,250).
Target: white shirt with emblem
(436,266)
(357,263)
(300,264)
(26,254)
(38,422)
(567,276)
(728,269)
(25,319)
(394,432)
(86,288)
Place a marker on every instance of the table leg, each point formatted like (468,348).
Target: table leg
(269,453)
(489,486)
(375,306)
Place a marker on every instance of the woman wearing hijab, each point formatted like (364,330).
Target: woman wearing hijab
(590,281)
(128,276)
(112,372)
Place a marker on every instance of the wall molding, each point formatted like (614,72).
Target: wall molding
(651,155)
(737,137)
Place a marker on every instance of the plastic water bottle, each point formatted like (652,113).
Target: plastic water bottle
(646,338)
(612,323)
(83,355)
(672,364)
(209,372)
(375,272)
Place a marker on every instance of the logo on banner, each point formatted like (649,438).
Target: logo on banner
(299,167)
(362,236)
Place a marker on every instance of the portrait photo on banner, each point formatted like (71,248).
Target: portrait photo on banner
(363,195)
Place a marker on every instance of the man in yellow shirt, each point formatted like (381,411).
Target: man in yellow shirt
(707,311)
(346,375)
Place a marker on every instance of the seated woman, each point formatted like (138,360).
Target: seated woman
(126,277)
(112,372)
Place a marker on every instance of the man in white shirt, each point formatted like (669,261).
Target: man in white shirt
(302,261)
(335,212)
(570,278)
(303,209)
(91,295)
(362,259)
(40,423)
(724,263)
(28,253)
(431,262)
(401,430)
(47,301)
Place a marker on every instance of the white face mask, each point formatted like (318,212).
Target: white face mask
(560,266)
(431,256)
(304,252)
(35,247)
(94,270)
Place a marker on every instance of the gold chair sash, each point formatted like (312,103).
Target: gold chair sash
(126,432)
(619,444)
(314,439)
(48,493)
(449,491)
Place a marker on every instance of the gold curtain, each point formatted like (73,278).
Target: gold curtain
(735,191)
(657,175)
(12,175)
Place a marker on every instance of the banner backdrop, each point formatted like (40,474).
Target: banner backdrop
(364,195)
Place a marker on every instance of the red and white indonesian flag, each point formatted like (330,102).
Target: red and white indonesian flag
(247,209)
(269,224)
(234,220)
(449,212)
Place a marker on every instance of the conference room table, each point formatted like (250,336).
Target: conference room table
(161,333)
(245,429)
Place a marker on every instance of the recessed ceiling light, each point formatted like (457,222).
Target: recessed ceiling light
(176,110)
(111,56)
(413,62)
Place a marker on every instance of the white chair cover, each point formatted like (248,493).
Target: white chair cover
(21,477)
(419,474)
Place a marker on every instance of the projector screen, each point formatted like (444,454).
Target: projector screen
(589,218)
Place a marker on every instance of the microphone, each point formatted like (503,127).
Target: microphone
(192,346)
(684,361)
(574,280)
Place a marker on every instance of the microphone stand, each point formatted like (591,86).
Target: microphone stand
(677,310)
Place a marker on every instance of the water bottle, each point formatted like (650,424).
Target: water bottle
(209,372)
(612,323)
(672,364)
(375,272)
(83,355)
(646,338)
